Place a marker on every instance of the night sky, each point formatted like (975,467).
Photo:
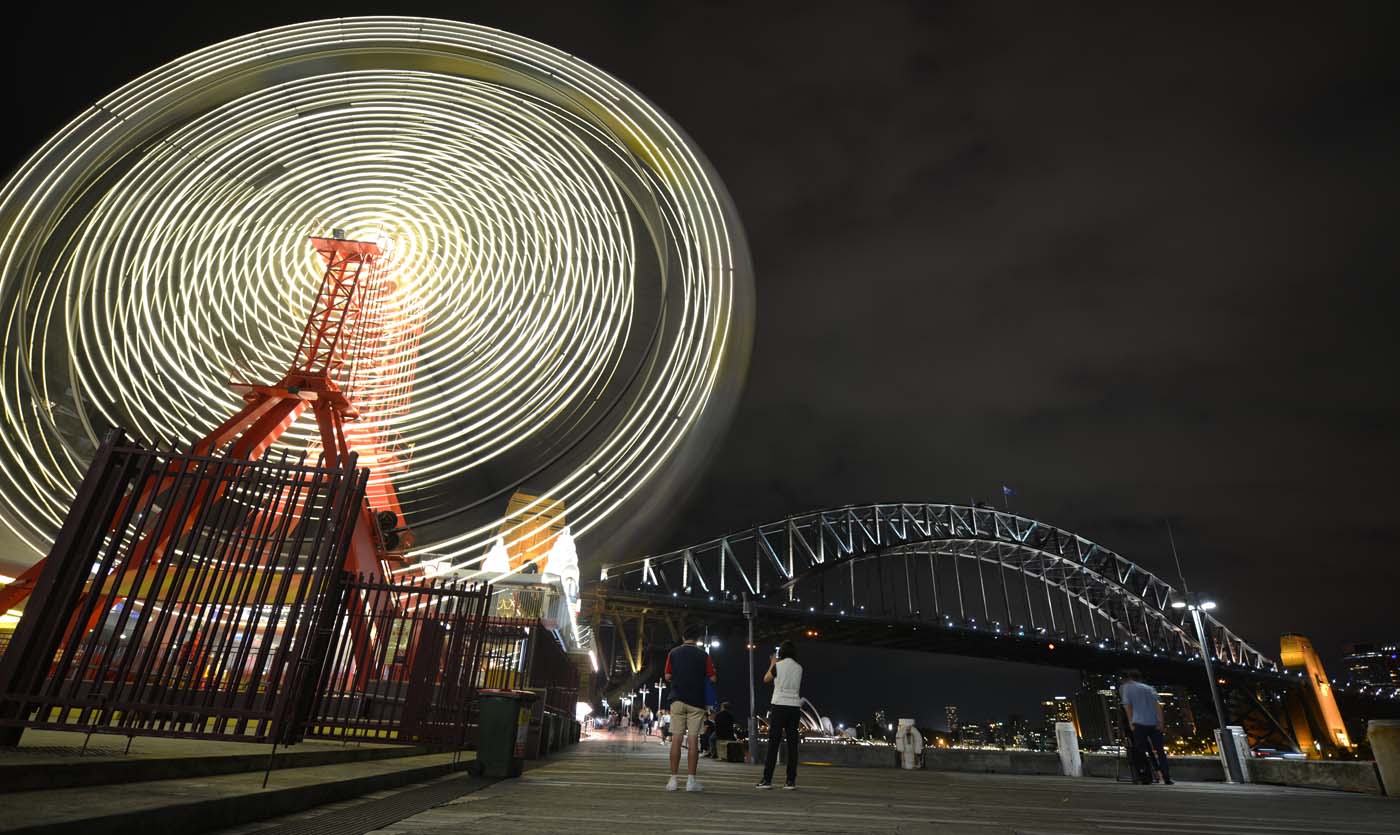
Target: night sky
(1135,264)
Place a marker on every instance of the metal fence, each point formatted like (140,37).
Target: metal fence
(404,665)
(185,595)
(505,654)
(551,668)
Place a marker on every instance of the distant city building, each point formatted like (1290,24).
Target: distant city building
(1017,732)
(951,714)
(1178,722)
(1096,709)
(972,734)
(1057,709)
(1373,664)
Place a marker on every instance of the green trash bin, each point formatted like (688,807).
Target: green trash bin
(504,722)
(558,732)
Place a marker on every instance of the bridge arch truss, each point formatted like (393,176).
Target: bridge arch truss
(965,567)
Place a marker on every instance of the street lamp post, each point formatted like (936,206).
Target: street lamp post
(753,719)
(1195,603)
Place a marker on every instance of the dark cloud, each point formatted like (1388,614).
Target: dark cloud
(1137,262)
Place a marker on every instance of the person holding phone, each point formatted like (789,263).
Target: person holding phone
(784,710)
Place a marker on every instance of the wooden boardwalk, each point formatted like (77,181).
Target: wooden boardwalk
(613,784)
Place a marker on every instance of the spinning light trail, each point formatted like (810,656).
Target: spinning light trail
(568,288)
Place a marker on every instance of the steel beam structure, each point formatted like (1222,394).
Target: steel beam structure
(950,563)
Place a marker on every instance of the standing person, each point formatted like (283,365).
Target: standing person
(646,720)
(1145,716)
(687,668)
(665,726)
(784,709)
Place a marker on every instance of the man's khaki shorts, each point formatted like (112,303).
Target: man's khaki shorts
(685,718)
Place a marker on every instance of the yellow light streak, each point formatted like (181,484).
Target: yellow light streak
(554,232)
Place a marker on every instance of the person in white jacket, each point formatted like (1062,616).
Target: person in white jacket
(784,711)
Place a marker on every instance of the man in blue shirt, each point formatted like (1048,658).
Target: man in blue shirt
(687,667)
(1144,711)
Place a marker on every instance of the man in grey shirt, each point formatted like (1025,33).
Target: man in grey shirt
(1145,716)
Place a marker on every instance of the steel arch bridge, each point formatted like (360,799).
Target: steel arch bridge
(981,572)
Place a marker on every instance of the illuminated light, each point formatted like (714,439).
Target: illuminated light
(498,559)
(1178,604)
(1208,605)
(593,659)
(1050,646)
(525,200)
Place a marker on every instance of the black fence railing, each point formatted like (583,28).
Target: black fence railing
(403,667)
(185,595)
(505,654)
(203,596)
(553,670)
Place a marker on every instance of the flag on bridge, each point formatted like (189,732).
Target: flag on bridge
(1007,491)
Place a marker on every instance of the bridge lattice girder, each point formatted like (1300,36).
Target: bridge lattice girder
(1119,600)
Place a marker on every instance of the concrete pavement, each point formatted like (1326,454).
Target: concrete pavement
(612,784)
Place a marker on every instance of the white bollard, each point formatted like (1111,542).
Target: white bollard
(909,742)
(1067,744)
(1242,751)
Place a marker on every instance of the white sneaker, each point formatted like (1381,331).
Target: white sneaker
(671,784)
(693,785)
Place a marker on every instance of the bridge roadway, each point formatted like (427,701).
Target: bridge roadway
(773,623)
(612,783)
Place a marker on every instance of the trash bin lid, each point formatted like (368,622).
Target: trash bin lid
(518,695)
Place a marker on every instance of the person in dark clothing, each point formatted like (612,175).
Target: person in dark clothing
(687,668)
(721,728)
(724,723)
(707,737)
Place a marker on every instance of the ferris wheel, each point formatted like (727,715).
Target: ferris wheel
(563,297)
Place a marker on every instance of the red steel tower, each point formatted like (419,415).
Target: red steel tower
(338,337)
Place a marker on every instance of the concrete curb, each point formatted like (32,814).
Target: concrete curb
(235,810)
(64,775)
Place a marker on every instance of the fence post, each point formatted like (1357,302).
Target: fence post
(313,661)
(26,662)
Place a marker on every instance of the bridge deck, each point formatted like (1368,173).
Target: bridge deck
(613,784)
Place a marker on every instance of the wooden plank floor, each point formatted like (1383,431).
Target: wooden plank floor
(613,784)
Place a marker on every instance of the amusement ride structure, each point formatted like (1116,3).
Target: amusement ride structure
(338,340)
(573,289)
(524,316)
